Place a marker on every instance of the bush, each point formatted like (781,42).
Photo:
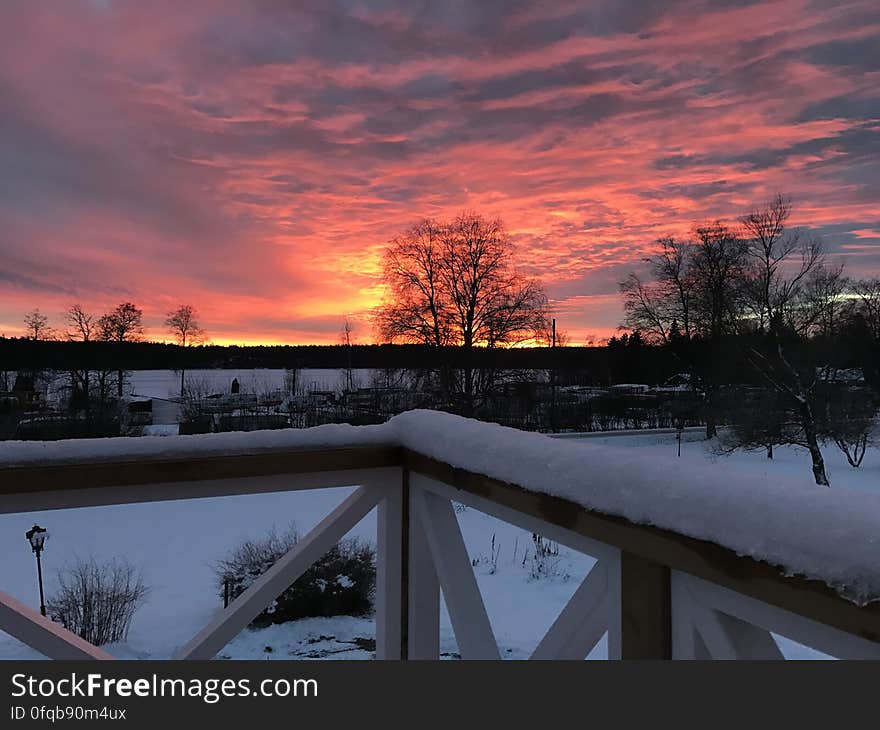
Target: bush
(97,601)
(849,419)
(545,563)
(341,583)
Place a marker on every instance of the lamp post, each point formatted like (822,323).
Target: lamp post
(36,536)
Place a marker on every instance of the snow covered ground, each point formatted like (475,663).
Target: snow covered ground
(183,599)
(175,544)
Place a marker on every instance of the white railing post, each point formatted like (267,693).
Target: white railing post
(614,608)
(686,642)
(389,571)
(423,589)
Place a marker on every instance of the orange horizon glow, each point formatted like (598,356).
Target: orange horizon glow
(253,159)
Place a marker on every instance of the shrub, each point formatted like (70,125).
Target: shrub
(340,583)
(97,601)
(545,563)
(850,420)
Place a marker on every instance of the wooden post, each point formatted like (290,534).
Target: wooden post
(645,609)
(390,572)
(422,633)
(405,517)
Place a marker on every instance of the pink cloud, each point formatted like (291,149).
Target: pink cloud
(254,158)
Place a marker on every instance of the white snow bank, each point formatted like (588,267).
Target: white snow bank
(826,534)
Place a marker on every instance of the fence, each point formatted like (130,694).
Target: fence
(656,593)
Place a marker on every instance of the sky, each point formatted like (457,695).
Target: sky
(253,158)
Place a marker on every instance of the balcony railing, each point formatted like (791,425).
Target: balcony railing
(655,590)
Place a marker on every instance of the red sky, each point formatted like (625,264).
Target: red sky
(253,157)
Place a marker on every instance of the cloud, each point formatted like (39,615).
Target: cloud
(253,157)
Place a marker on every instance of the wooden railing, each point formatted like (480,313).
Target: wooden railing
(656,594)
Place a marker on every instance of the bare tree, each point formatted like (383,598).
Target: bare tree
(455,283)
(345,339)
(862,323)
(123,324)
(194,398)
(183,324)
(81,327)
(783,264)
(719,267)
(850,420)
(766,289)
(417,307)
(770,245)
(97,601)
(656,309)
(690,302)
(820,308)
(491,303)
(866,304)
(37,325)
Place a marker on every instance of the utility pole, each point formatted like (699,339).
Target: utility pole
(553,380)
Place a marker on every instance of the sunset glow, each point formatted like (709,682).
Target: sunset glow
(252,159)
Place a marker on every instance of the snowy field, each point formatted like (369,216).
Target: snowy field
(158,538)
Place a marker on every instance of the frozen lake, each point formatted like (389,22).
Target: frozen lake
(164,383)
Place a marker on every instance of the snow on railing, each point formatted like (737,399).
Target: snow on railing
(692,560)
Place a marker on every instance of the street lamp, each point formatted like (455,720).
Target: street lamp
(37,536)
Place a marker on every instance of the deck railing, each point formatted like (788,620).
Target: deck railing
(656,594)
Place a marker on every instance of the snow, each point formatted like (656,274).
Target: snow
(328,436)
(183,598)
